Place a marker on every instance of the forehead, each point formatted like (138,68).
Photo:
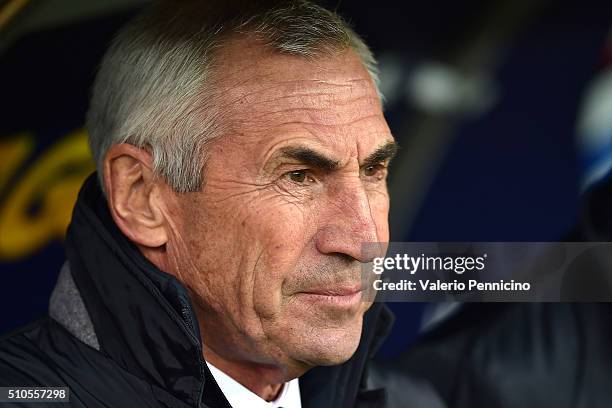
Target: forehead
(247,67)
(330,99)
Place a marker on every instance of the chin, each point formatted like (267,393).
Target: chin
(339,357)
(331,346)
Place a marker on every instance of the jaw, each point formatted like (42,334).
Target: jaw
(311,337)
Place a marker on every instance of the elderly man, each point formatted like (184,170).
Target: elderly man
(215,259)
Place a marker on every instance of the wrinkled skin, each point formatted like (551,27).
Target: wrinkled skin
(267,247)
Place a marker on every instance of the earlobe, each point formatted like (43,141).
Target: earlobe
(134,198)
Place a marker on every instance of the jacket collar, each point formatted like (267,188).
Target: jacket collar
(143,318)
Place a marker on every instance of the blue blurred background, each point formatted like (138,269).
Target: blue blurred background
(500,109)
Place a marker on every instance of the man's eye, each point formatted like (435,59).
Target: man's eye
(377,171)
(299,176)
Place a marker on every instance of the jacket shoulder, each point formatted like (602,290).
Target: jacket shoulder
(22,362)
(45,354)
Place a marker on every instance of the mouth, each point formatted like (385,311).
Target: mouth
(340,296)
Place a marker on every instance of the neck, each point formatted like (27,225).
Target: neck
(264,381)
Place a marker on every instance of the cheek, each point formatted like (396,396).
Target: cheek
(283,235)
(210,262)
(215,252)
(379,205)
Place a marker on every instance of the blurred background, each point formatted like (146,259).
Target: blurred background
(503,110)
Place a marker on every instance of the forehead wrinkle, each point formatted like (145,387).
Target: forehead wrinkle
(309,84)
(264,94)
(340,113)
(321,121)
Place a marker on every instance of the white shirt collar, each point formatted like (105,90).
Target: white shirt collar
(241,397)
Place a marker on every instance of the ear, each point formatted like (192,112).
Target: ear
(134,197)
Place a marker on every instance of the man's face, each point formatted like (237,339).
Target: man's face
(270,249)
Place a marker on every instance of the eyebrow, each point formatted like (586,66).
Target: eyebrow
(310,157)
(383,153)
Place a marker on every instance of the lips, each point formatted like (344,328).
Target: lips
(343,290)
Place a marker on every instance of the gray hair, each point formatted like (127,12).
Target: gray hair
(154,87)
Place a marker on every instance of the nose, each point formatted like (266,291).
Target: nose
(348,222)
